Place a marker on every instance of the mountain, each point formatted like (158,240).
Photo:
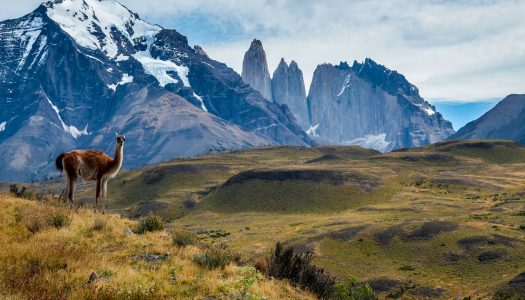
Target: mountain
(505,121)
(75,71)
(288,88)
(255,69)
(370,105)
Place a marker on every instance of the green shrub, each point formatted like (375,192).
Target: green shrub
(352,290)
(150,223)
(60,220)
(248,276)
(214,257)
(183,238)
(285,263)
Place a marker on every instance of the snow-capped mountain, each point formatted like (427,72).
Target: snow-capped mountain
(505,121)
(75,71)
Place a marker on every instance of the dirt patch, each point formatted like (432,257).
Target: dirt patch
(515,288)
(385,237)
(474,242)
(431,229)
(325,158)
(428,292)
(397,209)
(427,231)
(147,207)
(490,256)
(159,173)
(415,157)
(366,182)
(384,284)
(345,235)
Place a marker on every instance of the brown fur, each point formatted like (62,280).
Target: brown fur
(91,165)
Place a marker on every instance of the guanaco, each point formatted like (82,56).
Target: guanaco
(91,165)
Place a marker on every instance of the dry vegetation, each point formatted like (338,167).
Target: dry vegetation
(49,252)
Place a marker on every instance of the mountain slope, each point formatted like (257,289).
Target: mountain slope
(74,72)
(372,106)
(505,121)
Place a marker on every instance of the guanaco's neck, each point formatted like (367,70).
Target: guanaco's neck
(119,155)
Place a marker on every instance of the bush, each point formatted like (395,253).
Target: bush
(183,238)
(60,220)
(150,223)
(352,290)
(248,276)
(214,257)
(285,263)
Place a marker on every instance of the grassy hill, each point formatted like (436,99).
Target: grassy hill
(442,221)
(49,252)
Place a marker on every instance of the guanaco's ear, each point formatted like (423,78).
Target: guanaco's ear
(116,134)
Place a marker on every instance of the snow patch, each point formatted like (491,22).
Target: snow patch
(159,69)
(2,126)
(346,84)
(202,101)
(377,142)
(312,130)
(126,78)
(75,133)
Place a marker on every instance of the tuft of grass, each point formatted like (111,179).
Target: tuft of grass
(285,263)
(99,225)
(214,257)
(183,238)
(150,223)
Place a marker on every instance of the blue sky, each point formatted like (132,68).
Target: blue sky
(452,50)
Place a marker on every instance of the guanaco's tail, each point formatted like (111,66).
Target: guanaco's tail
(58,162)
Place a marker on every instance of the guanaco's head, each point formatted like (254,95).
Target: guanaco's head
(120,139)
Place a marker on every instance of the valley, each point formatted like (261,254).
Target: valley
(442,221)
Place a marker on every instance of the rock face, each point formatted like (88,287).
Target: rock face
(76,71)
(505,121)
(255,70)
(288,88)
(369,105)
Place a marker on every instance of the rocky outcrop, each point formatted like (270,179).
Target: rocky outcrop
(76,71)
(505,121)
(369,105)
(255,70)
(288,88)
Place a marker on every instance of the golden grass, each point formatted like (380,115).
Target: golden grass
(56,263)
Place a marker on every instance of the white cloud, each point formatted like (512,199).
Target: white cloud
(450,49)
(461,49)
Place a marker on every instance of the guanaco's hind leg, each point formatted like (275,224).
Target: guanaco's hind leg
(65,194)
(105,194)
(72,189)
(97,195)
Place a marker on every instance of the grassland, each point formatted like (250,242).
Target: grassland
(41,260)
(443,221)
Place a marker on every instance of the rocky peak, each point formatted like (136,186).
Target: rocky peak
(255,69)
(389,80)
(198,49)
(288,88)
